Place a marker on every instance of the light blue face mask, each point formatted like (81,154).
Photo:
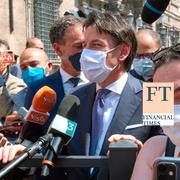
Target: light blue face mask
(32,74)
(144,67)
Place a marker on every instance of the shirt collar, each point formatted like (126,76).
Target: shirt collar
(116,86)
(66,76)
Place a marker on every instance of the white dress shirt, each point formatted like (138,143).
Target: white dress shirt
(110,105)
(68,85)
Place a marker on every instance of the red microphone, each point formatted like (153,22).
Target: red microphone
(43,101)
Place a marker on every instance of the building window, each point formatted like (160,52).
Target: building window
(45,13)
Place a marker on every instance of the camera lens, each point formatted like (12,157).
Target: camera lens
(162,168)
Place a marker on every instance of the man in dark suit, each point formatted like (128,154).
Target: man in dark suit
(110,46)
(67,37)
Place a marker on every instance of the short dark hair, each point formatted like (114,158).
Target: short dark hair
(59,27)
(167,57)
(114,24)
(5,43)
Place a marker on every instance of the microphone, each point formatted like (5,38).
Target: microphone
(29,152)
(43,101)
(62,129)
(153,9)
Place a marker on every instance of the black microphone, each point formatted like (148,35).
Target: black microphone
(29,152)
(62,129)
(153,9)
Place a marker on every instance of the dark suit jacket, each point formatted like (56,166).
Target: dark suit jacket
(32,131)
(128,112)
(136,75)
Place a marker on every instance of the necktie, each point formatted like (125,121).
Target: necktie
(97,119)
(74,81)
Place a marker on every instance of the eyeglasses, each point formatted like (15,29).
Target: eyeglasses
(159,54)
(144,56)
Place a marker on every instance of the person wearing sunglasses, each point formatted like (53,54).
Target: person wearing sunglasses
(148,42)
(167,69)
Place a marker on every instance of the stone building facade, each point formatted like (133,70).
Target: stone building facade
(13,24)
(25,18)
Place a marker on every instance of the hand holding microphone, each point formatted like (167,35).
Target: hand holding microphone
(62,130)
(12,123)
(43,102)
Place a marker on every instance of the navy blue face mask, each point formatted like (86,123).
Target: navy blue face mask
(75,61)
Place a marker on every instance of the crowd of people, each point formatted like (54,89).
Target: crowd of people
(104,63)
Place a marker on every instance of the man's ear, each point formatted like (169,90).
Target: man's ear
(124,50)
(49,67)
(57,48)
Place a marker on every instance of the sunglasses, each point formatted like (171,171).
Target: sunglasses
(160,53)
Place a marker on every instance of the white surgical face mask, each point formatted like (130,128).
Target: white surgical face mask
(93,65)
(173,132)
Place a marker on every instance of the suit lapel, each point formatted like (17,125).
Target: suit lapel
(128,103)
(56,81)
(83,131)
(84,119)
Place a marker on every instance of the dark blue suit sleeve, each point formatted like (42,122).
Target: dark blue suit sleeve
(29,97)
(30,131)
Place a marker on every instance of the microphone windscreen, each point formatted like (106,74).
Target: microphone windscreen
(44,100)
(153,9)
(69,107)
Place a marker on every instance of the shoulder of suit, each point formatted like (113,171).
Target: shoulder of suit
(52,77)
(83,88)
(134,83)
(14,84)
(19,98)
(45,80)
(13,79)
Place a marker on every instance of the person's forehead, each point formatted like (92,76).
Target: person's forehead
(74,32)
(146,44)
(28,57)
(168,73)
(92,34)
(38,43)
